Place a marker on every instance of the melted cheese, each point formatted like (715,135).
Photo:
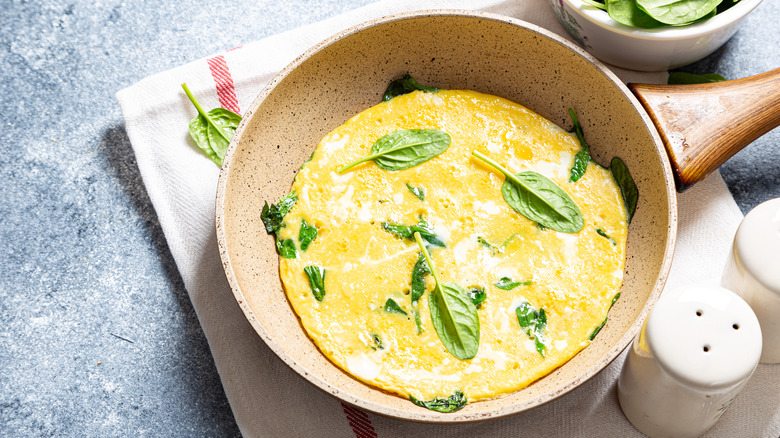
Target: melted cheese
(574,276)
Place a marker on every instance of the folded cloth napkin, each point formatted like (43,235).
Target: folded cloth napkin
(267,397)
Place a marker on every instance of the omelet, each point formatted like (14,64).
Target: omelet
(348,275)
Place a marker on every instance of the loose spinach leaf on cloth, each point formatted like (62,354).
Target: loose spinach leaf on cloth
(316,276)
(533,322)
(600,326)
(453,314)
(212,130)
(419,192)
(507,283)
(407,232)
(405,85)
(405,148)
(392,307)
(627,185)
(682,78)
(307,234)
(539,199)
(273,215)
(452,403)
(678,12)
(582,158)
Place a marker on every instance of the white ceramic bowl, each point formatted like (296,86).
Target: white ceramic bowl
(647,49)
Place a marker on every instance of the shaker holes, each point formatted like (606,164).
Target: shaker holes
(735,326)
(698,313)
(706,348)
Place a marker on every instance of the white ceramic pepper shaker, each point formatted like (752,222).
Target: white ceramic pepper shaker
(753,271)
(696,351)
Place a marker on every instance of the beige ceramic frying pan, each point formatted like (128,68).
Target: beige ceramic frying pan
(447,49)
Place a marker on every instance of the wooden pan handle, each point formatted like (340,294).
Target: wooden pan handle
(704,125)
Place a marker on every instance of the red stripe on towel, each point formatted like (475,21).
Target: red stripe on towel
(225,90)
(359,422)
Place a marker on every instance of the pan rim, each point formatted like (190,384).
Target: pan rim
(430,416)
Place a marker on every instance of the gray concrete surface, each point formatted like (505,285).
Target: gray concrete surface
(97,334)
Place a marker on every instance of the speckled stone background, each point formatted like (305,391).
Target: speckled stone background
(97,334)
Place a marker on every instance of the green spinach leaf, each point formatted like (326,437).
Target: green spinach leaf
(307,234)
(417,191)
(211,131)
(286,248)
(582,158)
(477,295)
(392,307)
(418,278)
(539,199)
(678,12)
(273,215)
(604,234)
(682,78)
(316,276)
(453,403)
(603,323)
(453,314)
(378,345)
(493,248)
(628,188)
(533,322)
(405,85)
(405,148)
(407,232)
(507,283)
(627,12)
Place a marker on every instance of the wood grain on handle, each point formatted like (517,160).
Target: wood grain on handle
(703,125)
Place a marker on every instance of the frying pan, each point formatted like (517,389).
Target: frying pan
(447,49)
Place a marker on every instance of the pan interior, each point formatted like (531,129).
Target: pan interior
(451,50)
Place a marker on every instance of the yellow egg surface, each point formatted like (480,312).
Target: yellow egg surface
(573,277)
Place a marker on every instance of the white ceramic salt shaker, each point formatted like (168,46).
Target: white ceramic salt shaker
(753,271)
(696,351)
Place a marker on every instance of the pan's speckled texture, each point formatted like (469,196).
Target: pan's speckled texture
(448,49)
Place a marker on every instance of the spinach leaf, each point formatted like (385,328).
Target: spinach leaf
(378,345)
(539,199)
(453,314)
(453,403)
(405,85)
(507,283)
(627,12)
(306,234)
(682,78)
(417,320)
(596,4)
(493,248)
(316,281)
(582,158)
(392,307)
(273,215)
(405,148)
(477,295)
(603,323)
(286,248)
(417,191)
(407,232)
(677,12)
(533,322)
(603,233)
(418,278)
(211,131)
(627,185)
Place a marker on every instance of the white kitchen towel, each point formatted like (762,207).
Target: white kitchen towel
(269,399)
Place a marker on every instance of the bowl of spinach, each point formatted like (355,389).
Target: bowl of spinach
(651,35)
